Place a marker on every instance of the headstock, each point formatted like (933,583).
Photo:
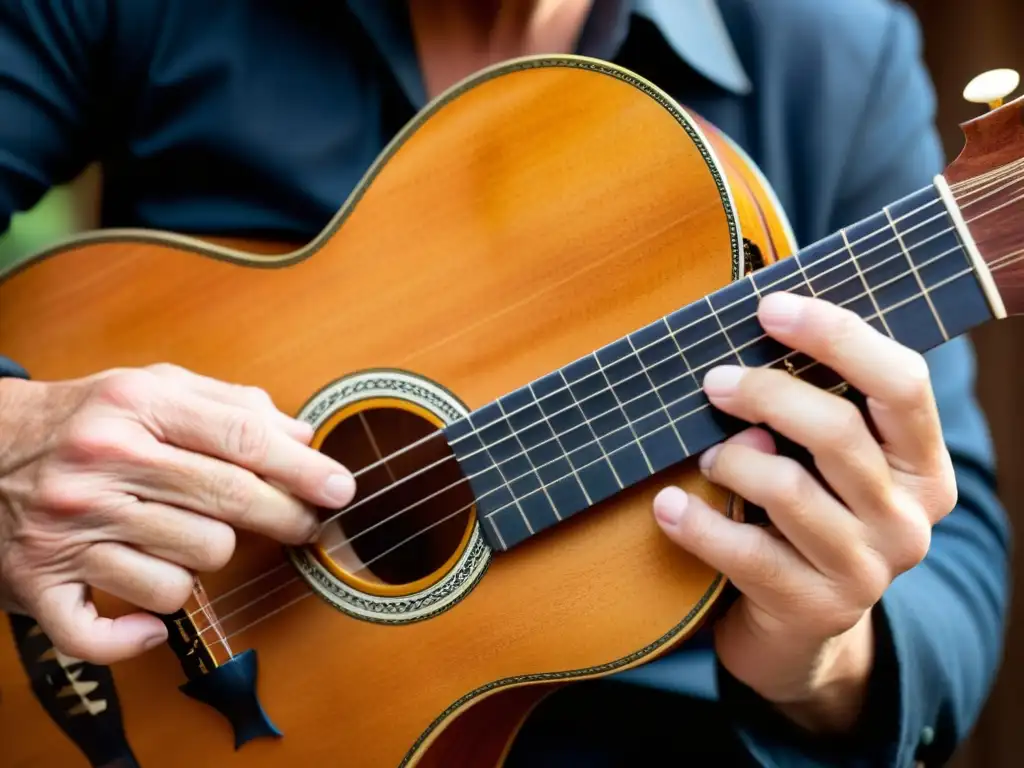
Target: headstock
(987,182)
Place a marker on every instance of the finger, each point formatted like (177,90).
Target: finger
(219,490)
(193,541)
(136,577)
(755,438)
(831,428)
(255,398)
(807,515)
(759,564)
(895,379)
(72,622)
(249,440)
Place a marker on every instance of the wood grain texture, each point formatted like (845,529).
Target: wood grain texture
(531,219)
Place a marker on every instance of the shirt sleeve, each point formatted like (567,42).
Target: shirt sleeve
(939,627)
(51,57)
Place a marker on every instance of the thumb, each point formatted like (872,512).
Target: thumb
(70,619)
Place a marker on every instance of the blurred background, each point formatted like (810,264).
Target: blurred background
(962,38)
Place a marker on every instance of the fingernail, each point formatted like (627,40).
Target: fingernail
(670,505)
(339,489)
(314,535)
(152,642)
(779,311)
(723,380)
(707,459)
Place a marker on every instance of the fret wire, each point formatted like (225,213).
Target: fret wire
(561,447)
(689,368)
(728,339)
(654,389)
(507,482)
(917,275)
(807,280)
(750,279)
(529,461)
(590,426)
(813,363)
(863,279)
(625,415)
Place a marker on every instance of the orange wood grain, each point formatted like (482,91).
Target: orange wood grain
(528,221)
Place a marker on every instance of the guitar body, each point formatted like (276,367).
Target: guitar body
(524,219)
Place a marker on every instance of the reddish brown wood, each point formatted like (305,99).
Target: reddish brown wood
(992,200)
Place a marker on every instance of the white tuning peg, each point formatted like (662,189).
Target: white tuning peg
(992,87)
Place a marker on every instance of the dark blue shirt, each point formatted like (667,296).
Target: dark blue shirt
(257,118)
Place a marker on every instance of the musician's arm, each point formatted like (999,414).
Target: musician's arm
(50,101)
(939,628)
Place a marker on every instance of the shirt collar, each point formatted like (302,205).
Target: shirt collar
(694,29)
(697,33)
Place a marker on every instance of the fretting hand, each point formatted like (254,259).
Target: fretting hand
(128,481)
(801,633)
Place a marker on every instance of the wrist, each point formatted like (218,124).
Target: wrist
(833,697)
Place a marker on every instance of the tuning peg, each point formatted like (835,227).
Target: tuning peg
(992,87)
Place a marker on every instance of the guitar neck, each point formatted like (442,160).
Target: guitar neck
(581,434)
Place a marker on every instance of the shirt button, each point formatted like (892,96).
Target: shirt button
(927,735)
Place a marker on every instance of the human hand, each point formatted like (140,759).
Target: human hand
(800,635)
(128,481)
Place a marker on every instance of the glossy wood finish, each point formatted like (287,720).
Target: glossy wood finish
(992,195)
(528,220)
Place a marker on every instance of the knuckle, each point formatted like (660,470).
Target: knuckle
(849,424)
(256,396)
(172,592)
(911,544)
(247,438)
(870,575)
(233,494)
(87,439)
(946,494)
(913,386)
(165,369)
(56,491)
(216,548)
(792,483)
(126,389)
(73,645)
(837,327)
(765,564)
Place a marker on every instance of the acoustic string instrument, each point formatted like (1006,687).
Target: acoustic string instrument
(503,333)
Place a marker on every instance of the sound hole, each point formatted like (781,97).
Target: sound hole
(412,514)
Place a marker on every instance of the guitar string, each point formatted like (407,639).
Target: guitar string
(587,420)
(1000,264)
(734,351)
(449,516)
(822,260)
(844,252)
(644,369)
(808,280)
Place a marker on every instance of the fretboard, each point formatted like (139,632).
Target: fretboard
(581,434)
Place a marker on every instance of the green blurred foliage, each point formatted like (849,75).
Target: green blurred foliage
(55,216)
